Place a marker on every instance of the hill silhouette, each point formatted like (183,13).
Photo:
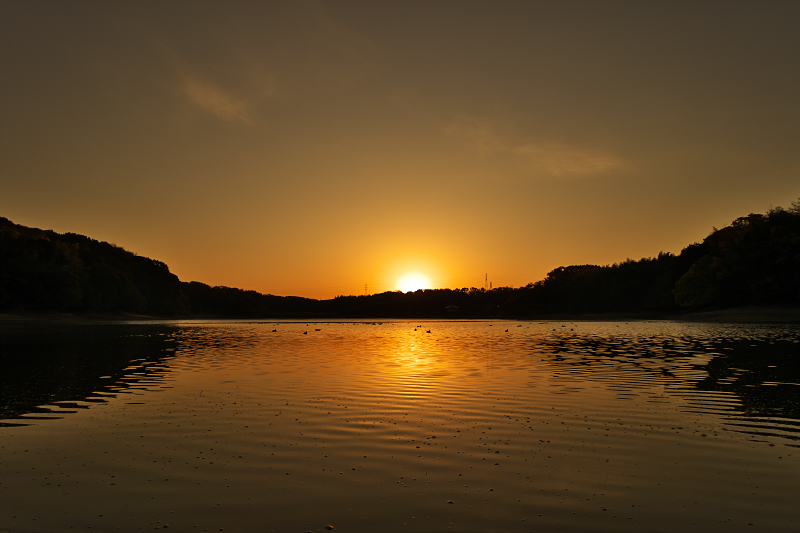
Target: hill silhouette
(753,261)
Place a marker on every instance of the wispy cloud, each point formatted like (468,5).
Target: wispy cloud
(557,159)
(284,52)
(215,100)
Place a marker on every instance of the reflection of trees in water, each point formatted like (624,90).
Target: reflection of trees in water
(757,369)
(766,377)
(67,364)
(763,373)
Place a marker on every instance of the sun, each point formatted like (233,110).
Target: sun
(413,281)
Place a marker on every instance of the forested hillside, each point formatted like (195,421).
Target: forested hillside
(46,271)
(755,260)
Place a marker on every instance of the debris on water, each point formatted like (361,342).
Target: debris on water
(450,501)
(329,527)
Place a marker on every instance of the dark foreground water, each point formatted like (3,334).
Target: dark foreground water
(475,426)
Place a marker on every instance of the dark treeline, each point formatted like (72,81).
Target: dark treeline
(755,260)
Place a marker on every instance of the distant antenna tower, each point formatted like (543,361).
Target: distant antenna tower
(486,281)
(490,285)
(365,289)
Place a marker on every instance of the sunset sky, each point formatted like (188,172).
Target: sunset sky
(310,148)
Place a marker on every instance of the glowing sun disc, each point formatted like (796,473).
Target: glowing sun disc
(413,281)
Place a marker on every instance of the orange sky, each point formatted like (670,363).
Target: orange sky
(311,148)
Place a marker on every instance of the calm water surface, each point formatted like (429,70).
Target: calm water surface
(475,426)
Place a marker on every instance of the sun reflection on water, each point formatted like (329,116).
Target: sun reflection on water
(375,423)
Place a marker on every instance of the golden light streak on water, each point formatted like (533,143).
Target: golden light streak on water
(375,426)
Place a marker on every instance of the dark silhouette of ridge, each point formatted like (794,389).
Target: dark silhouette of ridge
(755,260)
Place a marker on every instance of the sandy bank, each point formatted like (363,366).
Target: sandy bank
(68,318)
(740,315)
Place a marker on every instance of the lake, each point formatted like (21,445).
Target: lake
(400,426)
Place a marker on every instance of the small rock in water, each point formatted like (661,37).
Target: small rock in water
(329,527)
(450,501)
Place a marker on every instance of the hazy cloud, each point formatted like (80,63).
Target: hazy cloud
(555,158)
(560,159)
(215,100)
(281,52)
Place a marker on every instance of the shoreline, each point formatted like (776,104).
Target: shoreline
(772,314)
(758,314)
